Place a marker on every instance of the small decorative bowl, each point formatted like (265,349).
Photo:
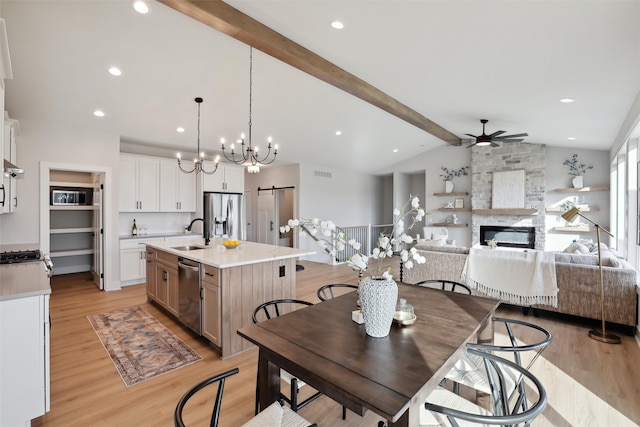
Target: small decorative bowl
(404,318)
(231,244)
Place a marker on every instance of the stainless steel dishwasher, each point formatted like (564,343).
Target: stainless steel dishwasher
(189,296)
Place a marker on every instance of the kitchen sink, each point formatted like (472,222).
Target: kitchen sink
(188,247)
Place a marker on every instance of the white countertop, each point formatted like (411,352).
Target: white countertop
(23,280)
(218,256)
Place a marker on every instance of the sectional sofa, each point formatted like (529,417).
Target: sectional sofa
(577,278)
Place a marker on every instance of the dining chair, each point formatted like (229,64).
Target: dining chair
(446,408)
(470,372)
(269,310)
(278,415)
(326,292)
(445,285)
(215,414)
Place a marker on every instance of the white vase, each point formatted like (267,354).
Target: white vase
(448,186)
(577,181)
(378,299)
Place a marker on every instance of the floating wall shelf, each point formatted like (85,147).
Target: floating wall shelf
(573,229)
(443,224)
(506,211)
(454,193)
(455,209)
(582,190)
(582,209)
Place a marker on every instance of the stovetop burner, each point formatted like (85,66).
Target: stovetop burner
(13,257)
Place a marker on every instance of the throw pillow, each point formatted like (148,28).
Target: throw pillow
(576,248)
(609,259)
(603,247)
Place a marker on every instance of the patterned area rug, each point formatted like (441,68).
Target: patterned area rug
(139,345)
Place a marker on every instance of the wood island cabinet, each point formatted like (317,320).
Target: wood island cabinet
(165,277)
(211,316)
(150,255)
(232,285)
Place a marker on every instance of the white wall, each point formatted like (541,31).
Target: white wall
(347,198)
(557,176)
(427,167)
(38,142)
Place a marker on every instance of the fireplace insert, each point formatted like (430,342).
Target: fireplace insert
(510,237)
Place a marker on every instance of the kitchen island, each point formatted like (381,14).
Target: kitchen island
(232,283)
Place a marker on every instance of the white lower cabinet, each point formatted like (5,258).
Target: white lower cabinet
(133,266)
(24,360)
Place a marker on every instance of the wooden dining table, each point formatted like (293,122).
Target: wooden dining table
(391,376)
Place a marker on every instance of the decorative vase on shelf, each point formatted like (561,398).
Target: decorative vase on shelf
(448,186)
(378,299)
(577,181)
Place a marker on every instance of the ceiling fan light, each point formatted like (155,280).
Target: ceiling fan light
(483,143)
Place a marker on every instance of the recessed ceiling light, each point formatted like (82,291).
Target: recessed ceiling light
(572,138)
(567,100)
(395,150)
(180,129)
(98,113)
(115,71)
(338,132)
(337,25)
(140,6)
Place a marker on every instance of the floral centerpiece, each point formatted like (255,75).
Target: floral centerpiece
(447,176)
(378,291)
(576,169)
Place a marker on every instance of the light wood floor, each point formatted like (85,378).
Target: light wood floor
(589,383)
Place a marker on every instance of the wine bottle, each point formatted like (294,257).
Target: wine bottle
(134,229)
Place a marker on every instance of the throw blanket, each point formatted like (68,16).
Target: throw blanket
(521,278)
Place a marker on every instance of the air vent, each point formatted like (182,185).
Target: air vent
(322,174)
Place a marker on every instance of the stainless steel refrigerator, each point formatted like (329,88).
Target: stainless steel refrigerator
(225,215)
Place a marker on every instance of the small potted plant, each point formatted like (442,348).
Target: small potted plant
(577,170)
(448,175)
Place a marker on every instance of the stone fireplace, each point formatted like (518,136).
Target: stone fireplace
(529,158)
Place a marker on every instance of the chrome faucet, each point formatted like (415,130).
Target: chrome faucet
(205,230)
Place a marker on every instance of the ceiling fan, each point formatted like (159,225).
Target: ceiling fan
(493,139)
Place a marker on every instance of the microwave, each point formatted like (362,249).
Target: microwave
(66,197)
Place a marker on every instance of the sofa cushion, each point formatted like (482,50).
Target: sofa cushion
(424,243)
(448,249)
(588,259)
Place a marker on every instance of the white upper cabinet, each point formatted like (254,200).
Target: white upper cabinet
(139,183)
(178,189)
(9,184)
(227,179)
(5,73)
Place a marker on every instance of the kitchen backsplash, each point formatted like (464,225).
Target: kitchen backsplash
(155,222)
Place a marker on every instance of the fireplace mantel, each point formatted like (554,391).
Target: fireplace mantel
(506,211)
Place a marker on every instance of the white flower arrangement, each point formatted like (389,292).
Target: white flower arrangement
(334,240)
(492,243)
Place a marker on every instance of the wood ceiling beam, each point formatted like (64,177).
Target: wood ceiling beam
(230,21)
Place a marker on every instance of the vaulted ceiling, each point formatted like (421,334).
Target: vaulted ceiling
(452,62)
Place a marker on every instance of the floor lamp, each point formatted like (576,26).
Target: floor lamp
(602,335)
